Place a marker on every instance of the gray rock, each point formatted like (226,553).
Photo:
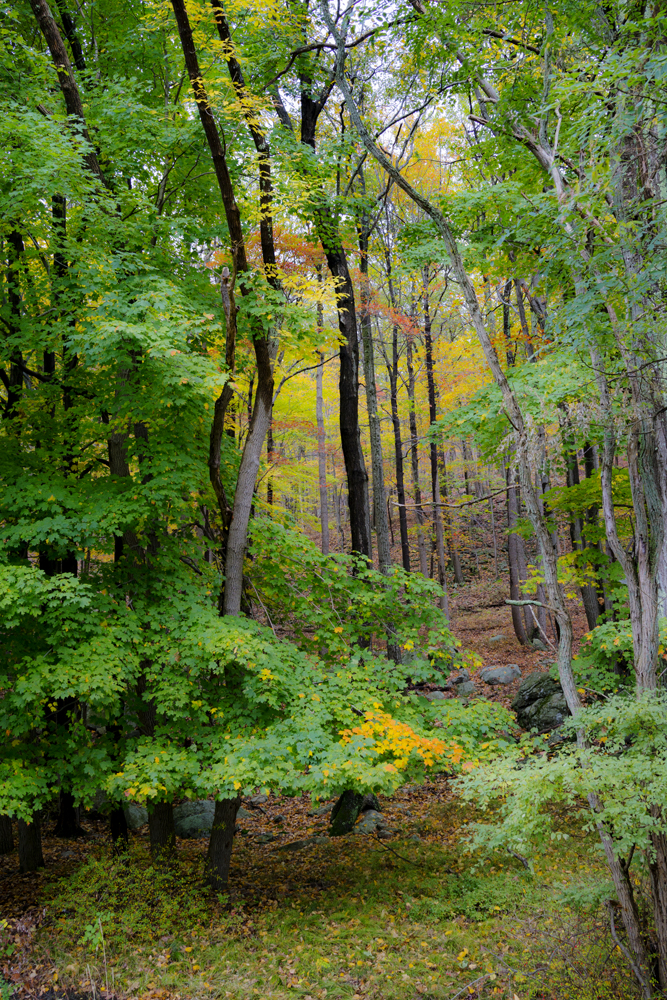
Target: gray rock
(370,822)
(297,845)
(540,703)
(496,639)
(265,838)
(536,686)
(194,819)
(258,800)
(500,675)
(460,677)
(135,816)
(465,690)
(243,813)
(323,810)
(279,818)
(538,644)
(435,696)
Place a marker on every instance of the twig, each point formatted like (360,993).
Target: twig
(464,503)
(641,979)
(541,629)
(469,985)
(519,857)
(537,604)
(387,848)
(265,611)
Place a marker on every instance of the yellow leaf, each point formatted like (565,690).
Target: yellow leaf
(461,955)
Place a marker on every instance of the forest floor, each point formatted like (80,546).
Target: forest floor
(418,916)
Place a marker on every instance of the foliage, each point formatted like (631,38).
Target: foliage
(623,766)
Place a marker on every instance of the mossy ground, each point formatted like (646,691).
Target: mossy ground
(351,918)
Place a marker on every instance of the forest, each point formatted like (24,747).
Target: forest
(333,499)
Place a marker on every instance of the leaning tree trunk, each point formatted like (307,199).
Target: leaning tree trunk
(30,845)
(161,831)
(220,845)
(6,835)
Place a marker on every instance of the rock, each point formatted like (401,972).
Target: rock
(465,690)
(496,639)
(297,845)
(345,812)
(279,818)
(194,819)
(135,816)
(258,800)
(538,644)
(540,703)
(536,686)
(243,813)
(436,696)
(265,838)
(460,677)
(500,675)
(323,810)
(371,822)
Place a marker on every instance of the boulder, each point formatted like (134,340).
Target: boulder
(265,838)
(258,800)
(435,696)
(135,816)
(243,813)
(465,690)
(371,822)
(323,810)
(540,703)
(460,677)
(500,675)
(495,640)
(194,819)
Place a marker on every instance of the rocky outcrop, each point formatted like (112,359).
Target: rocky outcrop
(540,703)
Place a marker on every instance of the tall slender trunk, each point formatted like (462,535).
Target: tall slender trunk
(514,542)
(261,414)
(452,547)
(435,471)
(379,497)
(414,461)
(392,371)
(321,453)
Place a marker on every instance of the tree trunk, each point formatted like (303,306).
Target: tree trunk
(414,462)
(435,472)
(30,845)
(237,539)
(513,558)
(68,822)
(322,457)
(328,232)
(447,526)
(161,831)
(392,370)
(379,498)
(118,828)
(6,835)
(220,845)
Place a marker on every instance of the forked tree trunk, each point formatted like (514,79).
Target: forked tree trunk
(161,832)
(6,835)
(219,854)
(30,846)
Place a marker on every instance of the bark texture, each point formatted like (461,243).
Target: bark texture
(30,846)
(161,831)
(6,835)
(220,845)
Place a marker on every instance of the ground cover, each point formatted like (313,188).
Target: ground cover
(415,916)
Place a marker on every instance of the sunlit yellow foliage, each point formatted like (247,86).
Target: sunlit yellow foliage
(399,741)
